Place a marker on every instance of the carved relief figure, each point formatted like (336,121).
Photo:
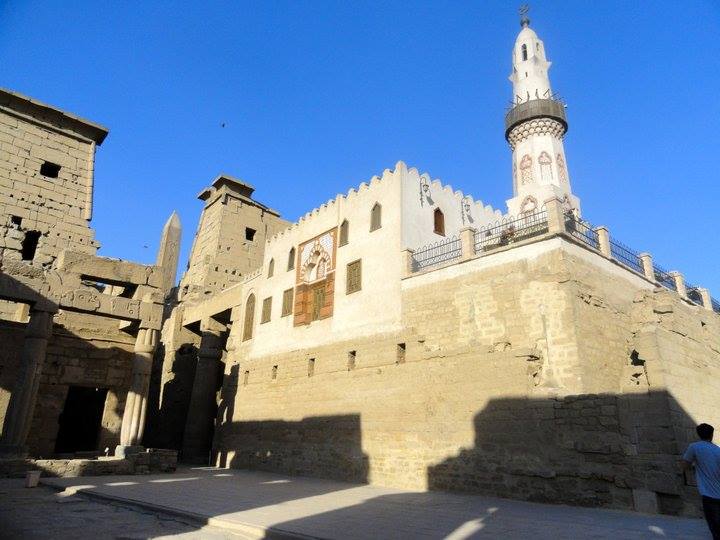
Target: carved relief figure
(316,259)
(545,167)
(529,205)
(526,175)
(562,172)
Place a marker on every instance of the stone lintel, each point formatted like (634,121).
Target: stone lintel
(52,116)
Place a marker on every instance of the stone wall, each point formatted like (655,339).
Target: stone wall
(513,376)
(84,350)
(30,201)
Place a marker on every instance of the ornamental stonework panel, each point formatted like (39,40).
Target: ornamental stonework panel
(315,279)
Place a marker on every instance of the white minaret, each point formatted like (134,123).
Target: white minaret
(534,128)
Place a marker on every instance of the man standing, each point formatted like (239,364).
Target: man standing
(705,456)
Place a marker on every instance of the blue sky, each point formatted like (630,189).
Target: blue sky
(317,97)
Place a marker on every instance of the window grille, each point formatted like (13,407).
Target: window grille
(249,316)
(318,301)
(354,277)
(287,305)
(266,309)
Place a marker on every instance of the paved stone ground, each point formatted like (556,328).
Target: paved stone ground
(252,502)
(44,514)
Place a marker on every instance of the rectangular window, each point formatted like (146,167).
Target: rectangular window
(344,232)
(351,360)
(274,373)
(311,367)
(51,170)
(267,307)
(400,353)
(318,301)
(246,376)
(287,305)
(250,234)
(354,277)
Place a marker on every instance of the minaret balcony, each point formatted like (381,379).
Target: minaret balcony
(535,108)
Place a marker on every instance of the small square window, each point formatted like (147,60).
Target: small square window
(400,352)
(15,221)
(250,234)
(51,170)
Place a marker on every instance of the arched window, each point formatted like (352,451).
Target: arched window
(376,217)
(526,175)
(291,259)
(524,52)
(344,232)
(545,167)
(562,171)
(271,268)
(249,317)
(439,222)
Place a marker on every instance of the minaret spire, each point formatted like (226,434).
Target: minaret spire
(524,19)
(535,127)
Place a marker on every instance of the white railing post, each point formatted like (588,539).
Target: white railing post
(467,243)
(555,215)
(706,298)
(407,258)
(679,283)
(604,240)
(647,264)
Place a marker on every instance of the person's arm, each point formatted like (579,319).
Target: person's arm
(687,462)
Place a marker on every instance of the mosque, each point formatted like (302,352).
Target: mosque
(404,334)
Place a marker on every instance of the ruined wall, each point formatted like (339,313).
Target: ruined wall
(12,335)
(84,350)
(511,380)
(31,201)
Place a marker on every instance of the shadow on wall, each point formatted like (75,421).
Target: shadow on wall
(613,451)
(167,412)
(588,450)
(325,447)
(83,384)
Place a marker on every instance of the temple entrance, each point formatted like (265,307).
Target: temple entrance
(80,420)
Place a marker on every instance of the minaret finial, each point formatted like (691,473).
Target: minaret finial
(524,19)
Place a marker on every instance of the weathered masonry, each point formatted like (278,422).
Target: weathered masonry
(404,333)
(525,355)
(78,331)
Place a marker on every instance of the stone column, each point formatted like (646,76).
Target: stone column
(706,298)
(604,240)
(200,422)
(647,264)
(679,283)
(22,402)
(407,262)
(133,422)
(467,243)
(555,216)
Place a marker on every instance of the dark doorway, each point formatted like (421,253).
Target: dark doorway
(80,420)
